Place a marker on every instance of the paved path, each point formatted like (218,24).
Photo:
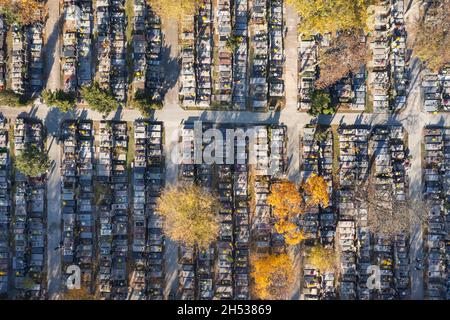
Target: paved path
(53,81)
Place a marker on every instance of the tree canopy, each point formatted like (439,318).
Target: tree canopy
(432,41)
(173,9)
(98,99)
(285,199)
(316,190)
(78,294)
(322,258)
(289,202)
(272,275)
(23,12)
(190,213)
(60,99)
(345,54)
(32,161)
(323,16)
(320,103)
(11,99)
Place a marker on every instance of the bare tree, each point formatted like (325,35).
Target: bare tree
(345,54)
(386,214)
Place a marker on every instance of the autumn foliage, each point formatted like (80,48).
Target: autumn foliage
(272,275)
(316,190)
(78,294)
(322,258)
(285,199)
(288,203)
(22,11)
(191,214)
(173,9)
(323,16)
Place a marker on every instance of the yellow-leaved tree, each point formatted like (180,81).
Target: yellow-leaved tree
(23,12)
(78,294)
(323,16)
(173,9)
(287,204)
(190,214)
(316,191)
(322,258)
(272,276)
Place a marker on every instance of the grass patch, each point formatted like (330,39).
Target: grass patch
(130,150)
(336,153)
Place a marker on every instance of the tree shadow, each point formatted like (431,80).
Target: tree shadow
(49,50)
(170,71)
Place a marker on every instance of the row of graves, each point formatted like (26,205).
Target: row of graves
(276,57)
(437,235)
(114,174)
(201,276)
(104,167)
(266,78)
(5,207)
(77,196)
(398,55)
(352,236)
(381,84)
(231,18)
(29,221)
(240,55)
(259,62)
(146,44)
(26,68)
(204,258)
(436,90)
(111,47)
(3,53)
(359,248)
(223,69)
(318,222)
(148,246)
(390,184)
(196,40)
(265,239)
(77,44)
(307,71)
(232,265)
(187,256)
(389,67)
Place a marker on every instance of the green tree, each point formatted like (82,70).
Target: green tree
(60,99)
(320,103)
(145,103)
(190,214)
(32,161)
(12,99)
(98,99)
(323,16)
